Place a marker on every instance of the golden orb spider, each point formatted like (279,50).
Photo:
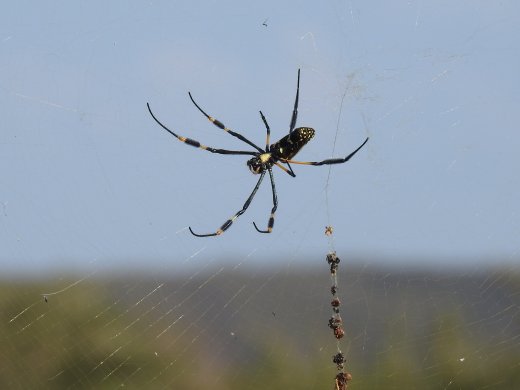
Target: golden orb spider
(279,153)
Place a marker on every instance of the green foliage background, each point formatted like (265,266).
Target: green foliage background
(413,330)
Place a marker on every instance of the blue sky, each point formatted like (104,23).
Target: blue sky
(87,177)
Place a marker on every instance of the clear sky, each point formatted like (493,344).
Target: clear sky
(86,175)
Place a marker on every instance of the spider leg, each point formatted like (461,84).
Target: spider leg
(294,117)
(220,125)
(270,224)
(295,109)
(268,137)
(329,161)
(230,221)
(289,172)
(197,144)
(290,169)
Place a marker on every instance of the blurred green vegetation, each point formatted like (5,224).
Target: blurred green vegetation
(232,330)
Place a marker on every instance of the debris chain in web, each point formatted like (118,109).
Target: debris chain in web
(335,321)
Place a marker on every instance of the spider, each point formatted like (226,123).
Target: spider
(262,160)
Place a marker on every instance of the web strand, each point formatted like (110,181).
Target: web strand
(335,321)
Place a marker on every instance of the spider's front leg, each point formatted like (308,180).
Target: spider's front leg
(270,224)
(230,221)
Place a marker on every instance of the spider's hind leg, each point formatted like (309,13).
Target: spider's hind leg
(220,125)
(295,109)
(329,161)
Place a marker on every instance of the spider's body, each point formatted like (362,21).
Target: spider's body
(279,153)
(285,149)
(292,143)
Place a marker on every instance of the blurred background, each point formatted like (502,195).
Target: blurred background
(96,198)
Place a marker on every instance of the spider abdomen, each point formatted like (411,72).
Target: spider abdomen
(287,147)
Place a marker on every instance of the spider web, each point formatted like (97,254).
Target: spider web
(102,284)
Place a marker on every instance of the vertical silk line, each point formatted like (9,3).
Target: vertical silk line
(335,321)
(331,241)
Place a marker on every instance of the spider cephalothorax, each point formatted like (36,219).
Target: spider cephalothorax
(280,154)
(259,164)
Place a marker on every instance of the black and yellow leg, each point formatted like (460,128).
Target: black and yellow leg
(197,144)
(329,161)
(268,136)
(289,172)
(220,125)
(270,224)
(295,109)
(230,221)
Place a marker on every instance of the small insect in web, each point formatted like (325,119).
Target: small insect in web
(329,230)
(262,161)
